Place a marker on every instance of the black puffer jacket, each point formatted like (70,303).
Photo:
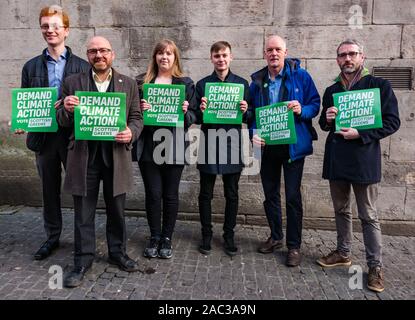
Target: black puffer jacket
(35,75)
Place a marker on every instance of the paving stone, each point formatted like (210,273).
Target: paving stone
(190,275)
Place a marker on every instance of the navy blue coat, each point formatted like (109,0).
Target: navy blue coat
(358,160)
(229,147)
(35,75)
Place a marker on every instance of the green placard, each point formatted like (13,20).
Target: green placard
(223,103)
(99,115)
(33,109)
(358,109)
(275,124)
(166,102)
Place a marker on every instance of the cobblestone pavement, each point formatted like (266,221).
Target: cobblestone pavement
(189,274)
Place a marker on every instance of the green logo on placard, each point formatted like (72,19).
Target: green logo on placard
(99,116)
(358,109)
(275,124)
(223,103)
(33,109)
(166,102)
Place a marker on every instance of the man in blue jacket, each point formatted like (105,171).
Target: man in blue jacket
(49,70)
(283,80)
(352,159)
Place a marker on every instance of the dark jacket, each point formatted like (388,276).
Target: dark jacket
(359,160)
(211,158)
(35,75)
(77,161)
(298,85)
(176,147)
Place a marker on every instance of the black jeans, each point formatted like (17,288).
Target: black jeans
(161,183)
(49,165)
(271,183)
(230,188)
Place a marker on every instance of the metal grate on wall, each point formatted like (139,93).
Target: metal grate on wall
(399,77)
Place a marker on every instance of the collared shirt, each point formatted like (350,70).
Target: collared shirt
(274,87)
(102,86)
(56,69)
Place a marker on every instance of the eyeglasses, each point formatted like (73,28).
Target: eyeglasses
(53,26)
(94,52)
(351,54)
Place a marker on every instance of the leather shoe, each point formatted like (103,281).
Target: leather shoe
(270,245)
(46,250)
(293,258)
(75,277)
(125,263)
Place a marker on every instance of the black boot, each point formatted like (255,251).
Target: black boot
(229,246)
(205,247)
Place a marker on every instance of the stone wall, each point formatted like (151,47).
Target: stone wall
(312,28)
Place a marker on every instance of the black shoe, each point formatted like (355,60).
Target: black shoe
(151,251)
(46,250)
(205,247)
(229,246)
(165,250)
(125,263)
(75,277)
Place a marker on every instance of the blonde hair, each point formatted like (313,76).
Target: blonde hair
(152,69)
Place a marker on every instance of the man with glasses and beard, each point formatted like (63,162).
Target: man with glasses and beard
(91,161)
(352,159)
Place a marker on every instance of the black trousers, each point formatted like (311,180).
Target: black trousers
(161,183)
(271,165)
(230,188)
(85,208)
(49,165)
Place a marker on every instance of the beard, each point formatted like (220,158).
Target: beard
(350,68)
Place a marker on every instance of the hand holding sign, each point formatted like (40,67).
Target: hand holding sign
(244,106)
(203,104)
(124,136)
(296,106)
(185,106)
(70,102)
(258,141)
(144,105)
(349,133)
(331,114)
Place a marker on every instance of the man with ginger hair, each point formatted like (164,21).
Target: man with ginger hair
(49,70)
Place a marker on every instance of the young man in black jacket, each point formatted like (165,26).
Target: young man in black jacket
(49,70)
(352,159)
(217,149)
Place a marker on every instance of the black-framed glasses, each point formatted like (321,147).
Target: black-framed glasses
(94,52)
(53,26)
(351,54)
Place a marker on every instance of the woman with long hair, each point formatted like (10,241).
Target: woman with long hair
(161,175)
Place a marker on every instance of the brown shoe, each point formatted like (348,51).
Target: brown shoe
(270,245)
(334,259)
(375,279)
(293,258)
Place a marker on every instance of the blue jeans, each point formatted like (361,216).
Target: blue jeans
(271,165)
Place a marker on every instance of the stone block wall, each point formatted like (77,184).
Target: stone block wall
(312,28)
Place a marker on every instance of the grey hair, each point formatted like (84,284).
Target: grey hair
(351,41)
